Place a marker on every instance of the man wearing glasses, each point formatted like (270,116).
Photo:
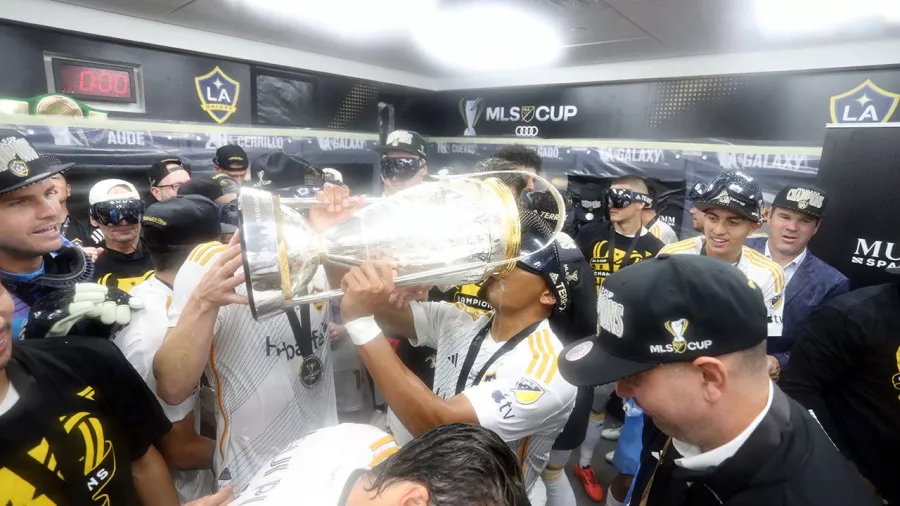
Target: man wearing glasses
(165,177)
(116,209)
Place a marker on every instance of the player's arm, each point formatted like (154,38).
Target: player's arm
(152,480)
(183,355)
(336,206)
(825,352)
(186,450)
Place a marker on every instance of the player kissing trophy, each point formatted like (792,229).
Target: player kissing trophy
(455,231)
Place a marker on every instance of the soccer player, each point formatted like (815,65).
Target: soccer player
(732,205)
(263,402)
(496,369)
(359,465)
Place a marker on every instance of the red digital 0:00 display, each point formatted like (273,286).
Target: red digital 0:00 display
(79,80)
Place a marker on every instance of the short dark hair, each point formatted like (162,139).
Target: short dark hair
(166,257)
(519,155)
(460,465)
(636,183)
(517,181)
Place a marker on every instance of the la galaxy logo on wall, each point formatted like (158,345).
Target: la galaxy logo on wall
(218,94)
(867,103)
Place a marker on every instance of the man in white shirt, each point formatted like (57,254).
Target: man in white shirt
(263,401)
(794,219)
(171,230)
(359,465)
(717,430)
(496,369)
(732,205)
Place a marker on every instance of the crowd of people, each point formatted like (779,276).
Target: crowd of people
(132,370)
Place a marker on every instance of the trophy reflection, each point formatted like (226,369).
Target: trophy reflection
(451,232)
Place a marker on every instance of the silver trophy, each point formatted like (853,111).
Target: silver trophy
(454,231)
(471,111)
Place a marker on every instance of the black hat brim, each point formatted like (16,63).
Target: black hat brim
(44,174)
(396,149)
(597,366)
(703,205)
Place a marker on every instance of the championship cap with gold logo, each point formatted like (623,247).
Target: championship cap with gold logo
(673,308)
(21,165)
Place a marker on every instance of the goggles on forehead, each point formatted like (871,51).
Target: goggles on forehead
(697,191)
(112,212)
(228,213)
(401,168)
(621,197)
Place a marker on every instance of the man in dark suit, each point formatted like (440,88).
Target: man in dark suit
(794,218)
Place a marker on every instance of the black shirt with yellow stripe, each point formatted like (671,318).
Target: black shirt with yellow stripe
(83,415)
(123,270)
(593,239)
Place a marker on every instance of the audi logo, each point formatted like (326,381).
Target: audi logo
(527,131)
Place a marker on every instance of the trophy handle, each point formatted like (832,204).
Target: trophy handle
(307,202)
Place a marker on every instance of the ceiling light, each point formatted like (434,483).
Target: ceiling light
(487,37)
(787,17)
(348,19)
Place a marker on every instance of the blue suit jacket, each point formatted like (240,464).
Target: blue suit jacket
(814,283)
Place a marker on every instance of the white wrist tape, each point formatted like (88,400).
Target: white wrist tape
(362,330)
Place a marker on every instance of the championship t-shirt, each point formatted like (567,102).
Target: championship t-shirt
(123,270)
(522,397)
(319,469)
(139,342)
(83,415)
(254,368)
(768,275)
(593,239)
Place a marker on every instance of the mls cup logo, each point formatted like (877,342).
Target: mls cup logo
(527,113)
(677,328)
(471,111)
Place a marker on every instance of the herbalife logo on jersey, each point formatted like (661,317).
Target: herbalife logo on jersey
(876,253)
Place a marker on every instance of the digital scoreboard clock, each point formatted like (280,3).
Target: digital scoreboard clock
(95,82)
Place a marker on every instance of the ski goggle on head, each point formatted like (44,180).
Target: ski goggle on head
(622,197)
(112,212)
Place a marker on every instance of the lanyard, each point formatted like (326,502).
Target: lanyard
(475,347)
(65,226)
(662,456)
(612,248)
(311,369)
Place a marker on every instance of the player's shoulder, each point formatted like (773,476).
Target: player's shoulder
(537,355)
(83,357)
(198,262)
(771,273)
(687,246)
(369,444)
(203,254)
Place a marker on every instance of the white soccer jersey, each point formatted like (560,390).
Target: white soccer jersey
(319,469)
(663,232)
(351,381)
(768,275)
(521,397)
(139,342)
(254,368)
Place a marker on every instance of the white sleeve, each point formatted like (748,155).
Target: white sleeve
(774,308)
(527,396)
(197,265)
(179,411)
(433,319)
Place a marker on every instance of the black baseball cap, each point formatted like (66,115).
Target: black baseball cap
(735,191)
(231,157)
(159,170)
(673,308)
(211,187)
(802,198)
(181,220)
(21,165)
(280,170)
(404,141)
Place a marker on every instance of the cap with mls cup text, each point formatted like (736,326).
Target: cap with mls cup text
(673,308)
(802,198)
(231,157)
(20,164)
(181,220)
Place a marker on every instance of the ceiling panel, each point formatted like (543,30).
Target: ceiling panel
(637,49)
(599,25)
(149,9)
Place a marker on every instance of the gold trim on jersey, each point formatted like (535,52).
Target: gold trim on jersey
(680,246)
(219,402)
(201,249)
(210,254)
(759,260)
(541,347)
(523,452)
(382,448)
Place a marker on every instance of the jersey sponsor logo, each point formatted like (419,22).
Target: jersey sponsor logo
(218,94)
(867,103)
(610,314)
(503,404)
(527,391)
(290,350)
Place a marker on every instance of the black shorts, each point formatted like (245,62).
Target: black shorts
(576,427)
